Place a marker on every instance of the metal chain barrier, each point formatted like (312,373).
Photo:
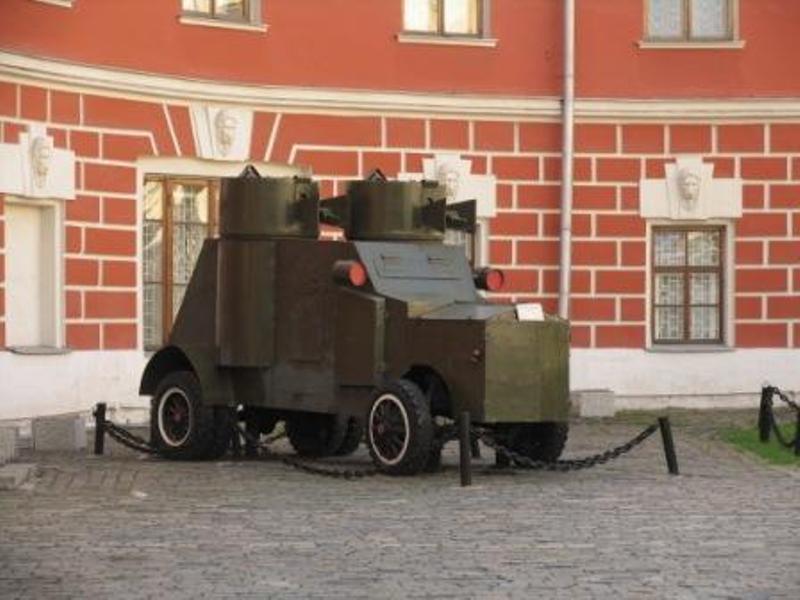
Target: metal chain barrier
(443,435)
(768,423)
(575,464)
(303,465)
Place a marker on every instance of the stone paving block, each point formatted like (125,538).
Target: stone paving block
(14,475)
(8,444)
(594,403)
(59,433)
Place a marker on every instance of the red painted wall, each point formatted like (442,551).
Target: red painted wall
(352,44)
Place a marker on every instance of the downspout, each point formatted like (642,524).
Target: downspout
(565,263)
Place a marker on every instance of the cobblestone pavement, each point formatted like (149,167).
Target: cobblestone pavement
(127,527)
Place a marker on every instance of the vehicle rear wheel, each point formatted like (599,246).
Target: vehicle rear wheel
(316,434)
(352,438)
(400,428)
(536,441)
(181,426)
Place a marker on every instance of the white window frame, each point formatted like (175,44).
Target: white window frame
(56,235)
(733,42)
(482,39)
(728,306)
(251,22)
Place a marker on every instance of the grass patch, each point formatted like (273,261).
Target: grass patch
(747,440)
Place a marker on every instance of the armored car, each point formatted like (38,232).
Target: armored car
(383,337)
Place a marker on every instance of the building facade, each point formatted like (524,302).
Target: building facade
(118,119)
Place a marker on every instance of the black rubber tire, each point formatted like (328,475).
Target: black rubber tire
(352,438)
(406,398)
(209,427)
(536,441)
(434,462)
(316,434)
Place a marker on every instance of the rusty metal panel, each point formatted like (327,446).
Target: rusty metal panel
(396,210)
(360,334)
(269,207)
(527,370)
(422,273)
(246,303)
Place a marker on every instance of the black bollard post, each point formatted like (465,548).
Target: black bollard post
(764,413)
(99,427)
(797,436)
(464,447)
(669,446)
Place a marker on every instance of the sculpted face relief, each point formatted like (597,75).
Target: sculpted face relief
(41,155)
(225,128)
(448,176)
(689,187)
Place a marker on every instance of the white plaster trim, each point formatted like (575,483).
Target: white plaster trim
(47,385)
(60,3)
(638,373)
(148,87)
(58,314)
(692,45)
(222,23)
(446,40)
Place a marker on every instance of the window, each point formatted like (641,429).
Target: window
(444,17)
(179,214)
(687,285)
(234,13)
(222,9)
(691,20)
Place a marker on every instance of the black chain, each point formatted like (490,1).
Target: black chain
(443,435)
(577,464)
(128,439)
(304,465)
(786,399)
(774,422)
(308,467)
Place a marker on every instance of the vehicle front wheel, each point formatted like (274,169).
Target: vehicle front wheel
(181,426)
(400,428)
(535,441)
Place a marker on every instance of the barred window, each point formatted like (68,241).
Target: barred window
(444,17)
(179,214)
(690,20)
(687,285)
(237,10)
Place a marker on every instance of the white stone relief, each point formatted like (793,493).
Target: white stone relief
(455,174)
(35,168)
(222,133)
(690,192)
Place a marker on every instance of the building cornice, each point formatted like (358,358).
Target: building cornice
(146,86)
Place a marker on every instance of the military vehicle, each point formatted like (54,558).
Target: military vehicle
(384,336)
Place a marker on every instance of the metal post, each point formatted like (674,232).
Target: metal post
(669,446)
(99,427)
(464,447)
(797,436)
(764,413)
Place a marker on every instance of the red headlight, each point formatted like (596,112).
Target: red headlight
(350,271)
(489,279)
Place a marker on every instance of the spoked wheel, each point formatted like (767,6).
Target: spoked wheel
(316,434)
(174,417)
(400,429)
(352,438)
(181,426)
(536,441)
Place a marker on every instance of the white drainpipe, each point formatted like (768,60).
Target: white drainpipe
(565,263)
